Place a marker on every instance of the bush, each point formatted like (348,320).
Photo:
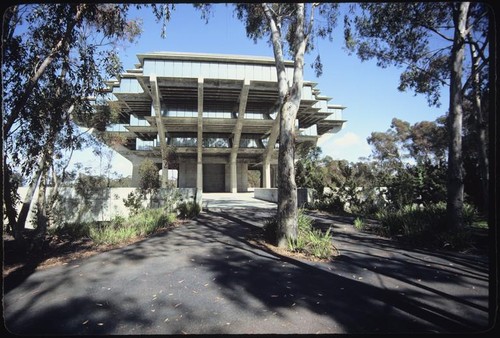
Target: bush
(142,224)
(310,241)
(133,202)
(359,224)
(425,224)
(188,210)
(72,231)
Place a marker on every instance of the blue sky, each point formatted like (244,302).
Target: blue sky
(369,92)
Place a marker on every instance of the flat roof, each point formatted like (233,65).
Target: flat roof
(209,57)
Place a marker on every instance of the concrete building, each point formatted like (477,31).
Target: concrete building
(210,117)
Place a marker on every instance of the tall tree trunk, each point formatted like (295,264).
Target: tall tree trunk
(455,194)
(290,102)
(287,189)
(8,201)
(480,125)
(41,210)
(28,198)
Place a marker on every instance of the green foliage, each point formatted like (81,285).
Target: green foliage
(141,224)
(118,229)
(424,224)
(149,180)
(72,231)
(310,241)
(88,186)
(133,202)
(359,224)
(310,172)
(167,198)
(188,209)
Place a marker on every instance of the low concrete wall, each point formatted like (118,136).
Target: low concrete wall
(105,204)
(304,195)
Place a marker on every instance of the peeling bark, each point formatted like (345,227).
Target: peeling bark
(289,105)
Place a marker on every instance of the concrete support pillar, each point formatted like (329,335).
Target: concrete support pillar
(233,188)
(199,140)
(268,153)
(156,96)
(266,175)
(199,176)
(243,177)
(238,127)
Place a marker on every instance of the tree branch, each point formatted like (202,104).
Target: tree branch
(14,114)
(432,29)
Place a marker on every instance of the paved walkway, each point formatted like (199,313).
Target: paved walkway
(205,277)
(225,200)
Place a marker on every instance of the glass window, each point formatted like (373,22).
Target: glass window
(215,142)
(184,141)
(144,145)
(248,143)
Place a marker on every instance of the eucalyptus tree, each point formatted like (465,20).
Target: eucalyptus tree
(411,161)
(291,30)
(56,59)
(428,40)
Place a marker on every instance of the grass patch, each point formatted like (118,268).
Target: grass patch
(119,229)
(426,226)
(310,241)
(359,224)
(141,224)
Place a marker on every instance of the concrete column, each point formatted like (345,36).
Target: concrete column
(268,152)
(238,127)
(243,177)
(266,175)
(234,182)
(156,96)
(199,140)
(199,176)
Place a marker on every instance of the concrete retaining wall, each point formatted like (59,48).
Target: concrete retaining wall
(104,204)
(304,195)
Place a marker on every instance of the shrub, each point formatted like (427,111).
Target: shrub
(188,209)
(141,224)
(425,224)
(359,224)
(111,235)
(133,202)
(310,241)
(148,221)
(72,231)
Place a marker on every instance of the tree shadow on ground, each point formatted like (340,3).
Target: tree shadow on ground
(282,284)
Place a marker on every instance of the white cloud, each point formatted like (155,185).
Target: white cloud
(344,146)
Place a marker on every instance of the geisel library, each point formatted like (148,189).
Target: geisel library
(215,114)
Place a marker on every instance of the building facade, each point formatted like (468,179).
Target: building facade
(210,117)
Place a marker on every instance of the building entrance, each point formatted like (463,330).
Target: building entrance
(214,176)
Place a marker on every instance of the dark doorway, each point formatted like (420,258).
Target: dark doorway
(214,176)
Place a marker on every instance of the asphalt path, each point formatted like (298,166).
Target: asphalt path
(206,277)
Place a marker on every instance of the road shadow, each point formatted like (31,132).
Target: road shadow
(420,305)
